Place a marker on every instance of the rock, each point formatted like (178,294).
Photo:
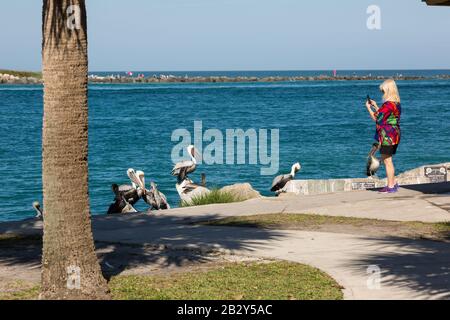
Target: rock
(243,191)
(187,197)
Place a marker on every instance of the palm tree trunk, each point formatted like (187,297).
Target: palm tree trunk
(70,268)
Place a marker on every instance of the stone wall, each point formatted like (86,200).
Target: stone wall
(426,174)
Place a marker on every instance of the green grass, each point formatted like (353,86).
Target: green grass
(437,231)
(214,197)
(37,75)
(19,290)
(254,281)
(283,219)
(233,281)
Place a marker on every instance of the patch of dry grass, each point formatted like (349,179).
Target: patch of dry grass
(314,222)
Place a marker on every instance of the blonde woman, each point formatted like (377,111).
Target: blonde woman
(388,134)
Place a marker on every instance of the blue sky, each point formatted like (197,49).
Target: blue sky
(240,35)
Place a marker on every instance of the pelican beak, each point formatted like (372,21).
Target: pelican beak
(196,154)
(140,176)
(131,173)
(134,177)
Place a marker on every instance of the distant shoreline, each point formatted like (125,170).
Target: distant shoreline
(245,79)
(23,78)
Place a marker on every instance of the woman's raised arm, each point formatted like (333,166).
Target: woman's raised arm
(370,110)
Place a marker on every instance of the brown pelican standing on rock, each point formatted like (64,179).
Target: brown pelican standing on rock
(183,168)
(39,212)
(373,164)
(186,188)
(280,182)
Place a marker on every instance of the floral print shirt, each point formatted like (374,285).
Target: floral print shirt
(388,124)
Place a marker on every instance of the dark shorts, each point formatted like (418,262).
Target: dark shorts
(389,150)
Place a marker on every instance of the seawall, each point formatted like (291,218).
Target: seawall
(436,173)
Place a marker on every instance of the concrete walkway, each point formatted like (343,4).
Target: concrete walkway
(424,203)
(410,269)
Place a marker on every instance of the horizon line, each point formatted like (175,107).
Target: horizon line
(246,70)
(265,70)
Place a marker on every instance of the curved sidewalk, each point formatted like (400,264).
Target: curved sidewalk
(424,203)
(410,269)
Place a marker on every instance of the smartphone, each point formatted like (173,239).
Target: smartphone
(369,100)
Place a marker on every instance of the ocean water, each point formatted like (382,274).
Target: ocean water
(324,125)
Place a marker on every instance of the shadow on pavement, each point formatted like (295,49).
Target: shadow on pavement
(420,265)
(426,188)
(165,241)
(430,188)
(133,241)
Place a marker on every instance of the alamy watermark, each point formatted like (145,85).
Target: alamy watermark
(374,19)
(231,146)
(374,277)
(73,17)
(73,278)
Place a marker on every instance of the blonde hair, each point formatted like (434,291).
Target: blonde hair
(390,91)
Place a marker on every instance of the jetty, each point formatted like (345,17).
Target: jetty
(247,79)
(18,78)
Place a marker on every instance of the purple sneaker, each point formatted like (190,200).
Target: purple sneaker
(384,190)
(389,190)
(393,190)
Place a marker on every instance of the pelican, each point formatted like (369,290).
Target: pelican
(120,204)
(140,179)
(126,196)
(153,197)
(373,164)
(39,212)
(156,199)
(132,193)
(187,190)
(280,182)
(182,169)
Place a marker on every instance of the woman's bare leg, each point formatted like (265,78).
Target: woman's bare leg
(390,170)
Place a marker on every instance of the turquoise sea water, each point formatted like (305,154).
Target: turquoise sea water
(324,125)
